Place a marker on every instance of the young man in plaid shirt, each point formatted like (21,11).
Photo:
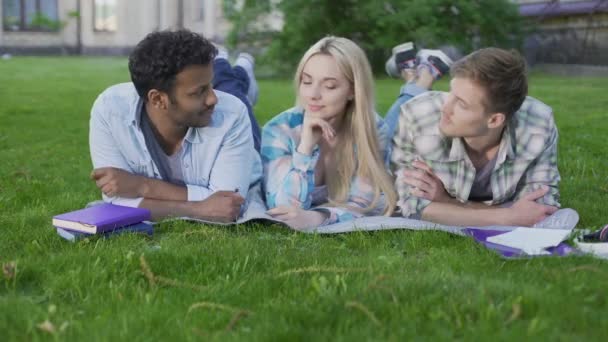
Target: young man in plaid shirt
(482,154)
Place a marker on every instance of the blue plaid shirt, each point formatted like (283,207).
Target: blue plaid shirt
(289,175)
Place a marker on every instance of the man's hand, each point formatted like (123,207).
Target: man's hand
(425,183)
(296,217)
(117,182)
(526,211)
(221,206)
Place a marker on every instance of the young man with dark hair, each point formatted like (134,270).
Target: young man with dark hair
(168,141)
(482,154)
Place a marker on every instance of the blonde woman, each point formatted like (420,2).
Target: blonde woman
(323,159)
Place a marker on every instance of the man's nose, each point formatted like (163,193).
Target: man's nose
(211,99)
(447,106)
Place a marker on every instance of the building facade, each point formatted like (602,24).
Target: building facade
(101,26)
(566,32)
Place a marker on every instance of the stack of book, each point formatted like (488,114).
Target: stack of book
(103,219)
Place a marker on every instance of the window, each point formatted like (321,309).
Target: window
(201,10)
(30,15)
(104,13)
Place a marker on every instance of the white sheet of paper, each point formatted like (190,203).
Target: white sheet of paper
(532,241)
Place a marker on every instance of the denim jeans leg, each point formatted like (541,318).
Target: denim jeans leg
(407,91)
(235,81)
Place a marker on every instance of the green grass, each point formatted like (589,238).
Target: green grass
(391,285)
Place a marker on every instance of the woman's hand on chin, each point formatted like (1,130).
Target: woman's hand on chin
(313,130)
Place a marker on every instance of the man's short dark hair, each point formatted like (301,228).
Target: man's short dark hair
(161,55)
(501,73)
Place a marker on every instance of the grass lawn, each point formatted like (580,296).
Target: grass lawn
(267,283)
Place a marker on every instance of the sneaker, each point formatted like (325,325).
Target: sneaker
(391,67)
(436,61)
(403,57)
(247,62)
(597,236)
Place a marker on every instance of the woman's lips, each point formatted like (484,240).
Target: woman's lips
(315,108)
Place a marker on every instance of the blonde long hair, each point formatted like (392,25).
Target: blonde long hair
(358,124)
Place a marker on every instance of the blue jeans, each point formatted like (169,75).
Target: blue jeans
(407,92)
(234,81)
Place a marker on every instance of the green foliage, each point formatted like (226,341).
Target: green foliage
(74,14)
(39,21)
(11,22)
(43,22)
(378,26)
(244,15)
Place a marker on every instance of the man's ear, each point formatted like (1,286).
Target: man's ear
(496,120)
(158,99)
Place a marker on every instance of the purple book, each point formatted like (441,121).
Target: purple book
(481,236)
(101,218)
(137,228)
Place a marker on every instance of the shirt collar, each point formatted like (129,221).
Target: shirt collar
(193,136)
(134,119)
(505,150)
(457,151)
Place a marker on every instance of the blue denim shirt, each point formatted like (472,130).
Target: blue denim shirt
(220,156)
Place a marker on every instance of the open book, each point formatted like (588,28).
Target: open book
(255,211)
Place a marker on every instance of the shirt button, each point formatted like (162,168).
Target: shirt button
(186,166)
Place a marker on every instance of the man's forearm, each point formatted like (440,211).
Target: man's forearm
(469,204)
(152,188)
(162,209)
(463,215)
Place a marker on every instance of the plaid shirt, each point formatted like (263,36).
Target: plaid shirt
(289,175)
(526,158)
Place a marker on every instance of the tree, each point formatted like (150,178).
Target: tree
(378,25)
